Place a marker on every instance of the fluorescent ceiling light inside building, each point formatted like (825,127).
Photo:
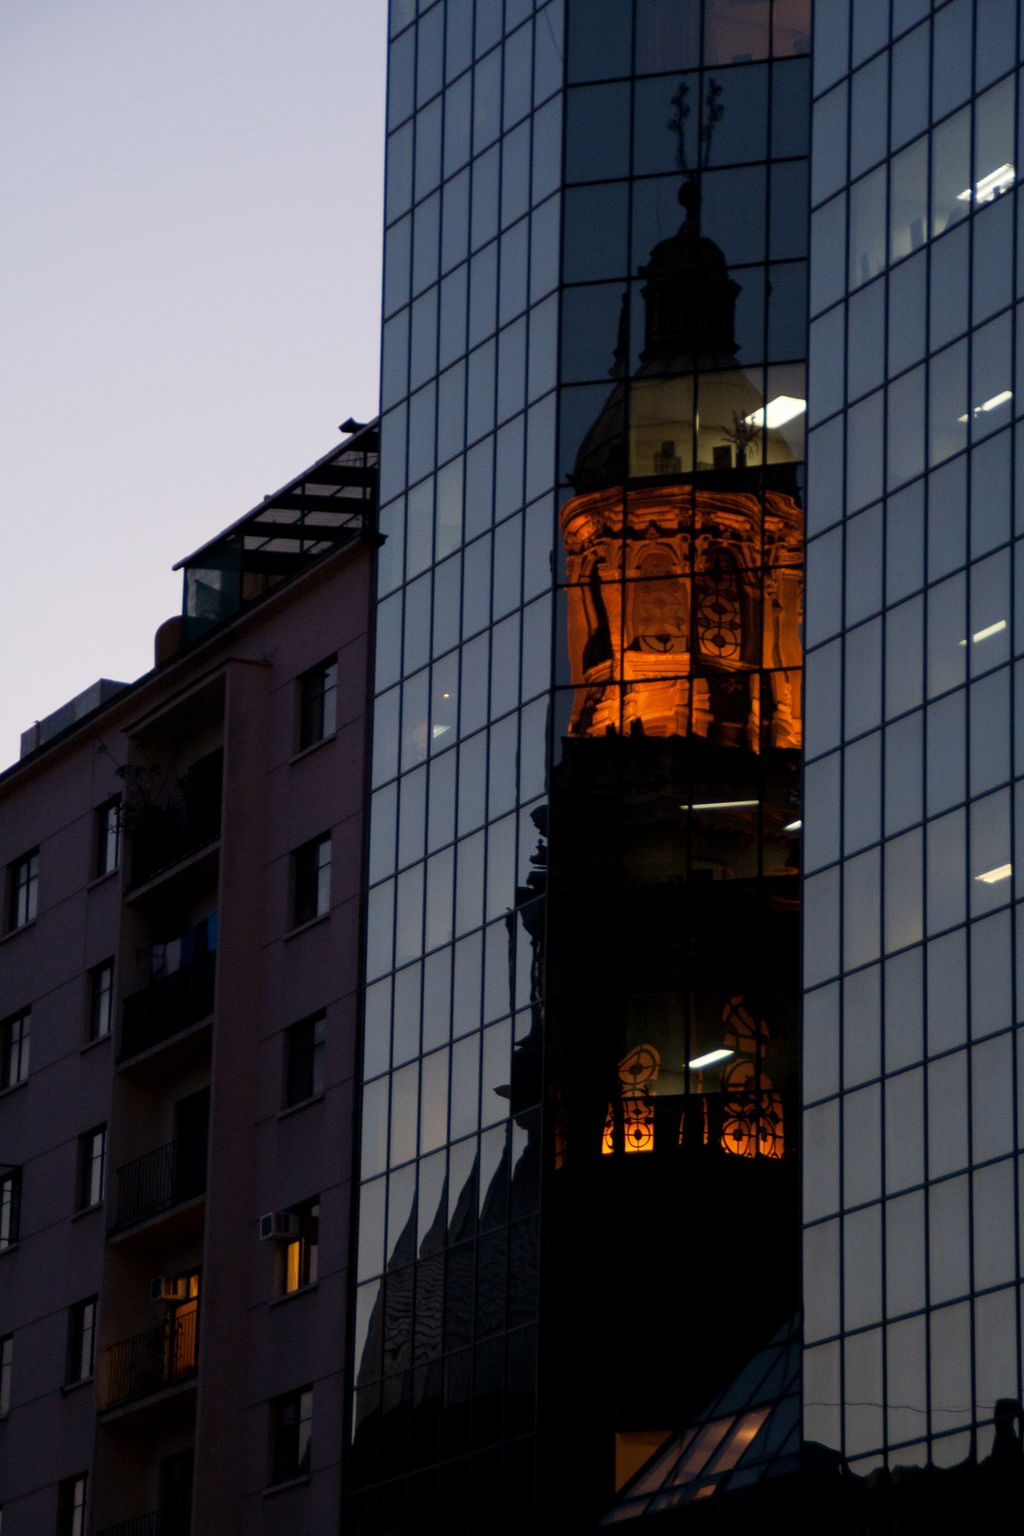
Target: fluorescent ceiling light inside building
(777,412)
(720,805)
(993,876)
(986,633)
(793,826)
(706,1061)
(992,404)
(990,186)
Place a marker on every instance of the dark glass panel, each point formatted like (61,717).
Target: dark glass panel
(597,132)
(430,55)
(428,149)
(515,175)
(486,101)
(484,203)
(599,39)
(952,49)
(457,124)
(512,271)
(518,65)
(790,124)
(455,224)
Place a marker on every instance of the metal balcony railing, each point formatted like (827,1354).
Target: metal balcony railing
(160,1357)
(168,1005)
(142,1525)
(163,835)
(157,1181)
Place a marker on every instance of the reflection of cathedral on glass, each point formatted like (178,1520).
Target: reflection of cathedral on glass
(684,539)
(684,613)
(638,1075)
(746,1117)
(752,1121)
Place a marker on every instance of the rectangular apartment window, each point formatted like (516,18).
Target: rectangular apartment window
(81,1341)
(23,890)
(6,1366)
(298,1255)
(71,1506)
(101,1000)
(10,1208)
(291,1426)
(311,870)
(108,836)
(318,690)
(92,1157)
(304,1060)
(14,1043)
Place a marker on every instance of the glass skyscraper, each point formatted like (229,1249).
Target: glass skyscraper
(578,1209)
(912,1054)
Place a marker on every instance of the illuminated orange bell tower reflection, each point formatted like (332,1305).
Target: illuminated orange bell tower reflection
(678,590)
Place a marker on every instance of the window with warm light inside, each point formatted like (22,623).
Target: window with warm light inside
(298,1254)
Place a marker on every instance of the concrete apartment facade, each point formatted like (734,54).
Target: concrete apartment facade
(180,972)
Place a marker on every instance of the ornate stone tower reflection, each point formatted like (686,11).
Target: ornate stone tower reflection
(672,871)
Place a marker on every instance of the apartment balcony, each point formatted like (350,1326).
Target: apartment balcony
(141,1525)
(162,1357)
(158,1182)
(169,1004)
(164,836)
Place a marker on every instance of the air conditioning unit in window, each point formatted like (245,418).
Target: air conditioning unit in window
(279,1227)
(167,1288)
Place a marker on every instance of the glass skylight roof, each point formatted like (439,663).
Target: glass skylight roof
(751,1431)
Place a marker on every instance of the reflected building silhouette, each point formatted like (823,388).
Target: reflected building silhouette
(670,1214)
(607,745)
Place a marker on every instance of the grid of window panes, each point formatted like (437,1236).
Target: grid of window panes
(444,1318)
(478,337)
(913,731)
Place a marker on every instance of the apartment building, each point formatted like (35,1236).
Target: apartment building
(181,958)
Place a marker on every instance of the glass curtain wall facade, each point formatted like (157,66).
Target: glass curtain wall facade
(578,1215)
(912,795)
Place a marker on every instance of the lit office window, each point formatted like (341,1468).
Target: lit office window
(311,869)
(23,890)
(317,703)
